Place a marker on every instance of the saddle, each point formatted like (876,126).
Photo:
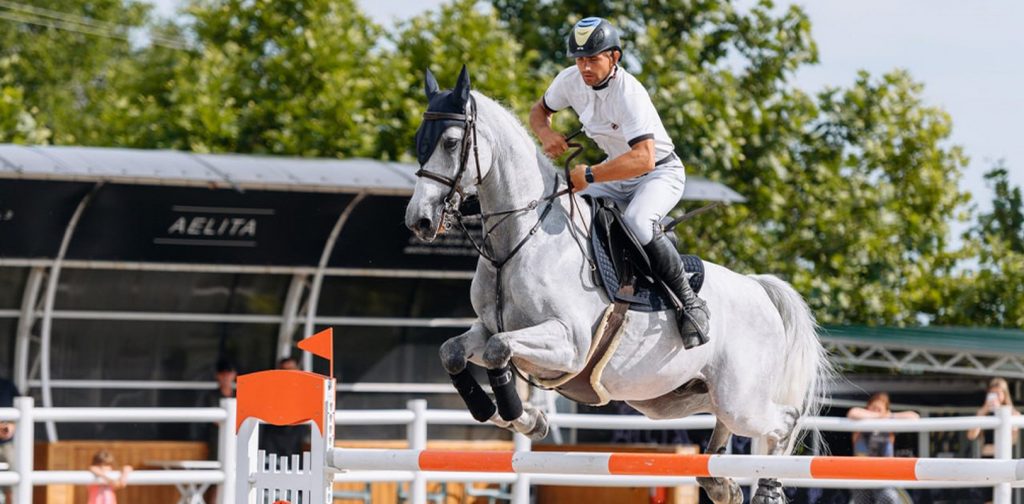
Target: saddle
(622,262)
(624,272)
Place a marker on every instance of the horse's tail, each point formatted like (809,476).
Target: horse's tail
(806,369)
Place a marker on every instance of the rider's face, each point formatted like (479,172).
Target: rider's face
(595,68)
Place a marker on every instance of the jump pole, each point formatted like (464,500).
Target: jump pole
(984,471)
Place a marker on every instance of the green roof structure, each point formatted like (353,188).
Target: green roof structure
(957,350)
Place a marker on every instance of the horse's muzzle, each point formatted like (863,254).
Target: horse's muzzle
(424,229)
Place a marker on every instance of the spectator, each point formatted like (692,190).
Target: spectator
(877,444)
(288,363)
(998,395)
(284,440)
(102,492)
(7,394)
(226,374)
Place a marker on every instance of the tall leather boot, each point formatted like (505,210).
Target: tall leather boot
(693,318)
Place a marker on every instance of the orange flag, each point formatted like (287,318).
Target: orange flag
(322,344)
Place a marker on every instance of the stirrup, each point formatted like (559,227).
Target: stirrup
(688,330)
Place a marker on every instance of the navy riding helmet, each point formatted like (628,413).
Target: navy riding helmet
(590,36)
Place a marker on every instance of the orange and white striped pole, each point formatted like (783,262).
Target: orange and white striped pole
(639,464)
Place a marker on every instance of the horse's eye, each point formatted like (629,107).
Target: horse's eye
(450,144)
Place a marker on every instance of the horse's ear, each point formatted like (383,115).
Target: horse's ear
(461,90)
(430,85)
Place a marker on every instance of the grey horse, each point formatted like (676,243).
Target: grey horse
(537,305)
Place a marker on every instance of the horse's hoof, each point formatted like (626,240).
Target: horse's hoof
(498,421)
(769,491)
(539,430)
(721,490)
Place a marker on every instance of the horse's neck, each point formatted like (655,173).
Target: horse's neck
(514,182)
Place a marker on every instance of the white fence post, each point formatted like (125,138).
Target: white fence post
(521,487)
(924,441)
(228,440)
(1003,493)
(24,442)
(418,441)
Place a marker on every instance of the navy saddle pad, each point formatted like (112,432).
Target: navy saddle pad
(617,251)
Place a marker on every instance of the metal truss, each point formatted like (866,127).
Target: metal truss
(936,360)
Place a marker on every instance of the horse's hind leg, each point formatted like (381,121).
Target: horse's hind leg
(769,490)
(720,490)
(747,407)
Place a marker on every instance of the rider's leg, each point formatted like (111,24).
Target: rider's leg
(693,321)
(655,195)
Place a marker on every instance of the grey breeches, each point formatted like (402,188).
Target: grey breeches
(645,200)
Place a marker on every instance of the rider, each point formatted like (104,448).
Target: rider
(642,172)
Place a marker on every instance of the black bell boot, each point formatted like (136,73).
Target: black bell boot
(693,318)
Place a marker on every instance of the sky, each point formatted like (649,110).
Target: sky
(963,52)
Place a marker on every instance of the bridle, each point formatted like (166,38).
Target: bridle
(451,207)
(454,184)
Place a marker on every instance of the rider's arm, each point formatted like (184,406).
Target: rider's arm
(638,161)
(540,119)
(551,141)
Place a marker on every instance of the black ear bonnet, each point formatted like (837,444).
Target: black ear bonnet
(448,102)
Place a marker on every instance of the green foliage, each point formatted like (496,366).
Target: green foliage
(279,76)
(63,74)
(457,34)
(17,124)
(992,292)
(865,211)
(1006,220)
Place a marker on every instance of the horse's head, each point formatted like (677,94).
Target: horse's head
(450,156)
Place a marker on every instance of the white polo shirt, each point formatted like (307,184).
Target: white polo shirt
(615,117)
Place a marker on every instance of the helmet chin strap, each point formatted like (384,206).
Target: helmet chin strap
(607,80)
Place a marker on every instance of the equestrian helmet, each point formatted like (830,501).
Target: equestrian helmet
(590,36)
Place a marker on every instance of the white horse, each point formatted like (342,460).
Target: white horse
(761,371)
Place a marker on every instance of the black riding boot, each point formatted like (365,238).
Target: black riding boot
(693,318)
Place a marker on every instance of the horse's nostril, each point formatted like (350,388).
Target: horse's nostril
(423,225)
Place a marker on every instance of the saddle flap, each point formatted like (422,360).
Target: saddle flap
(620,260)
(626,251)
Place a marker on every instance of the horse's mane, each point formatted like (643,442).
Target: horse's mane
(504,149)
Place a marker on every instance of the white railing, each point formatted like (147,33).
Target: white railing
(23,478)
(416,419)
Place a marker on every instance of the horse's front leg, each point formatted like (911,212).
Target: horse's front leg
(548,345)
(455,354)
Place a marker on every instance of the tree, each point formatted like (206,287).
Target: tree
(458,33)
(59,53)
(283,77)
(991,293)
(869,201)
(1006,220)
(18,123)
(139,105)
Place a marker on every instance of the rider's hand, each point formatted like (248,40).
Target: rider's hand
(579,178)
(554,144)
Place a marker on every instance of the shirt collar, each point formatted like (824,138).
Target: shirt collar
(612,83)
